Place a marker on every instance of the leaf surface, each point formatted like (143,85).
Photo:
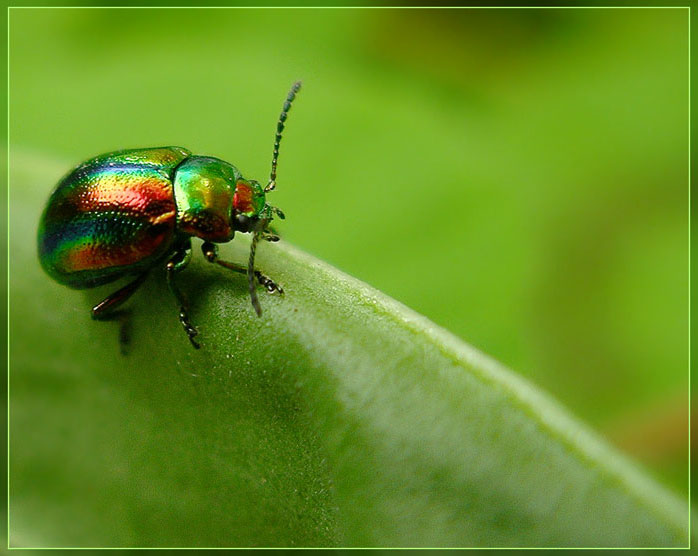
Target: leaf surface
(340,417)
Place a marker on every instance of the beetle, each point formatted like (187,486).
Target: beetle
(122,213)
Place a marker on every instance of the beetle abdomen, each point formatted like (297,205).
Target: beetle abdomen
(113,215)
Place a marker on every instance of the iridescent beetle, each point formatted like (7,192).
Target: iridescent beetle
(121,213)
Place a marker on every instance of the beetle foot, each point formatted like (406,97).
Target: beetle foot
(268,283)
(188,327)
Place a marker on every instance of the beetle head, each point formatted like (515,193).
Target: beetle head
(249,201)
(251,211)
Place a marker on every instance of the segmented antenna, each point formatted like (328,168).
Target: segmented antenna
(279,129)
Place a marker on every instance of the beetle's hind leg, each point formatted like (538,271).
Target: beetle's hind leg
(210,251)
(107,309)
(175,265)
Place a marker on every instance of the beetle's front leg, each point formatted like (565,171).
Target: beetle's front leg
(210,251)
(269,234)
(176,264)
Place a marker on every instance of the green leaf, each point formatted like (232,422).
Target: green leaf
(340,417)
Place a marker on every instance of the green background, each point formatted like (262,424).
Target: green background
(517,176)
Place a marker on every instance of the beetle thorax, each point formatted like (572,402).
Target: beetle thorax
(212,197)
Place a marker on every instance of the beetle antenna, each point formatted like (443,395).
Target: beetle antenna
(279,130)
(251,275)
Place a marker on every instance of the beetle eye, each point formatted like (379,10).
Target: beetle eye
(242,222)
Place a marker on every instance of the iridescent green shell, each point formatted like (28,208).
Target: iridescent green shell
(113,215)
(121,212)
(209,192)
(204,188)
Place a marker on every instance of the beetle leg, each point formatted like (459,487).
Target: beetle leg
(269,234)
(106,306)
(210,251)
(106,309)
(176,264)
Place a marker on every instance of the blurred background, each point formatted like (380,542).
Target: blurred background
(517,176)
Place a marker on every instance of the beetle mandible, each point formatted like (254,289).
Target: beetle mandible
(122,213)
